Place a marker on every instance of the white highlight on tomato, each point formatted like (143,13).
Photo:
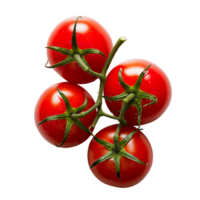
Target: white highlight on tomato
(123,135)
(147,77)
(133,71)
(80,27)
(56,96)
(111,136)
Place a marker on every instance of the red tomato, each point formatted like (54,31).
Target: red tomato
(89,34)
(155,82)
(131,172)
(50,103)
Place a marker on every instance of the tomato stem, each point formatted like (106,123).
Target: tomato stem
(85,67)
(119,42)
(125,104)
(83,114)
(109,116)
(122,121)
(116,139)
(100,113)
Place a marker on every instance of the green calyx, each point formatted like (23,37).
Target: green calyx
(116,155)
(75,54)
(67,115)
(135,90)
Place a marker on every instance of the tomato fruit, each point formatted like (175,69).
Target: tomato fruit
(131,171)
(155,82)
(50,103)
(89,34)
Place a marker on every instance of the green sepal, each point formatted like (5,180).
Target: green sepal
(131,157)
(126,87)
(82,126)
(117,97)
(79,109)
(137,84)
(107,145)
(54,117)
(64,51)
(67,104)
(85,61)
(102,159)
(145,71)
(144,95)
(67,130)
(64,62)
(117,164)
(74,42)
(129,104)
(123,142)
(137,103)
(89,51)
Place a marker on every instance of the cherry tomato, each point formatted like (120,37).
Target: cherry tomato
(131,172)
(89,34)
(155,82)
(50,103)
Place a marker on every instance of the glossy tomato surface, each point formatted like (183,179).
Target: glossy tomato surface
(131,172)
(155,82)
(50,103)
(89,34)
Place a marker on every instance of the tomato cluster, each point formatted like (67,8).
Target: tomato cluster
(136,91)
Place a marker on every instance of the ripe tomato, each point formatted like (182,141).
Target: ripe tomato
(155,82)
(89,34)
(131,171)
(50,103)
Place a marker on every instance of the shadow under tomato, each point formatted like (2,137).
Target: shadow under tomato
(15,161)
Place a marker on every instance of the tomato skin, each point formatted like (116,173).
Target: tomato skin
(155,82)
(131,172)
(89,34)
(50,103)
